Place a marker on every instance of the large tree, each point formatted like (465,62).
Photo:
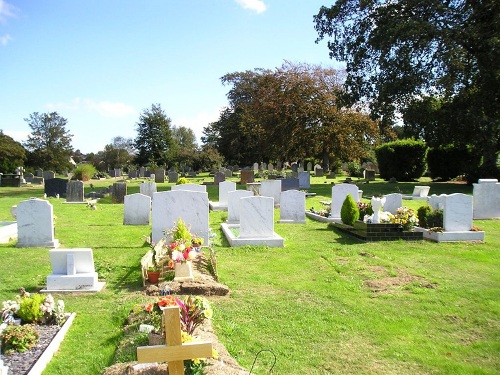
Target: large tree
(184,146)
(289,113)
(49,144)
(400,52)
(154,137)
(12,154)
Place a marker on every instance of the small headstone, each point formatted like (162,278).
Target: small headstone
(35,224)
(173,176)
(255,166)
(293,207)
(457,212)
(56,186)
(142,172)
(247,176)
(137,209)
(39,172)
(47,175)
(228,173)
(309,166)
(486,194)
(393,202)
(133,173)
(290,184)
(118,192)
(160,176)
(294,167)
(28,177)
(271,188)
(118,172)
(270,167)
(219,177)
(256,217)
(339,194)
(233,204)
(369,175)
(224,188)
(304,180)
(75,191)
(148,188)
(318,172)
(263,166)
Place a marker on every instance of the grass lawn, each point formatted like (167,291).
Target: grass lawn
(326,303)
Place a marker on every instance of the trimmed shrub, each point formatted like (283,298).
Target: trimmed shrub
(349,212)
(402,159)
(354,169)
(429,218)
(84,172)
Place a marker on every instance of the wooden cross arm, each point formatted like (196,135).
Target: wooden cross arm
(149,354)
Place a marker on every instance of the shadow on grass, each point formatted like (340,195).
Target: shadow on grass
(343,238)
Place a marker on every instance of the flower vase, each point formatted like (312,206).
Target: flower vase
(184,271)
(153,277)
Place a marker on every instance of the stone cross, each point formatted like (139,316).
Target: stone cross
(174,352)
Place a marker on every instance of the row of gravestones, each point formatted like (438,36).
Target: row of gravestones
(294,180)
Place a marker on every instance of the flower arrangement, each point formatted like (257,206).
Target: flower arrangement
(182,243)
(364,209)
(406,217)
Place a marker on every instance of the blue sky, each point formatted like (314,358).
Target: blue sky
(100,63)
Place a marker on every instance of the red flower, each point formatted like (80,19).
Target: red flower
(149,307)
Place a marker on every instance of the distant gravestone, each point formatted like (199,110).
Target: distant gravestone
(112,173)
(294,167)
(271,188)
(118,172)
(318,172)
(39,172)
(263,166)
(369,175)
(279,165)
(160,176)
(38,181)
(293,207)
(190,206)
(28,177)
(173,176)
(486,194)
(339,194)
(133,173)
(148,188)
(233,205)
(255,166)
(289,184)
(47,175)
(56,187)
(393,202)
(75,191)
(228,173)
(142,172)
(309,166)
(190,187)
(224,188)
(137,209)
(304,180)
(118,192)
(219,177)
(35,224)
(270,167)
(247,176)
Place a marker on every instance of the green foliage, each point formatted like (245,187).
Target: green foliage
(84,172)
(449,161)
(354,169)
(49,144)
(19,338)
(12,154)
(182,181)
(180,231)
(349,212)
(29,310)
(364,209)
(402,159)
(429,218)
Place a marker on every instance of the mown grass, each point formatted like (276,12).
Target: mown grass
(326,303)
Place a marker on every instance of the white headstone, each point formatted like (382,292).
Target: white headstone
(457,212)
(224,188)
(190,187)
(35,224)
(72,269)
(393,202)
(339,194)
(304,180)
(233,204)
(137,209)
(486,195)
(256,217)
(436,201)
(271,188)
(190,206)
(148,188)
(293,207)
(421,191)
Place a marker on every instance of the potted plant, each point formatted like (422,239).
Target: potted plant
(157,259)
(197,241)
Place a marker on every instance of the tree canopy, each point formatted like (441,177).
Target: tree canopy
(154,137)
(12,154)
(398,53)
(289,113)
(49,144)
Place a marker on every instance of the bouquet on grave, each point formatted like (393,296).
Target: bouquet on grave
(181,248)
(404,216)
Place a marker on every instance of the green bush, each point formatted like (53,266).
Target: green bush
(429,218)
(402,159)
(354,169)
(349,212)
(181,181)
(29,310)
(84,172)
(19,338)
(449,161)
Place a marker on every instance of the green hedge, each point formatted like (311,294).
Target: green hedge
(449,161)
(403,159)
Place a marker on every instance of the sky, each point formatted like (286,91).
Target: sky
(101,63)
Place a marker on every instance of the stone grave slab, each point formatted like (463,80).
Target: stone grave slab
(292,207)
(118,192)
(339,194)
(137,209)
(35,224)
(233,204)
(75,192)
(56,187)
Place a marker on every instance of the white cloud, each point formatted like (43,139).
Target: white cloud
(257,5)
(197,122)
(17,135)
(6,11)
(103,108)
(4,39)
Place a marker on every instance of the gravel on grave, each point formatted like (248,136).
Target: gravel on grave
(21,363)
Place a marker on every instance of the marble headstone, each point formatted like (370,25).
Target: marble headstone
(148,188)
(293,207)
(136,209)
(486,200)
(457,212)
(35,224)
(339,193)
(224,188)
(233,204)
(256,217)
(190,187)
(271,188)
(393,202)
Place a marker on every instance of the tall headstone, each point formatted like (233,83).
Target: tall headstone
(118,172)
(173,176)
(35,224)
(304,180)
(486,195)
(247,176)
(293,207)
(190,206)
(309,166)
(142,172)
(294,167)
(270,167)
(271,188)
(256,217)
(75,192)
(233,204)
(118,192)
(255,167)
(393,202)
(39,172)
(457,212)
(56,187)
(137,209)
(160,176)
(219,177)
(339,194)
(148,188)
(224,188)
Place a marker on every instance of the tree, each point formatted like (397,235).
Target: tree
(397,52)
(290,113)
(49,144)
(154,138)
(183,147)
(12,154)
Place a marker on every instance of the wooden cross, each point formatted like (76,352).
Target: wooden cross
(174,352)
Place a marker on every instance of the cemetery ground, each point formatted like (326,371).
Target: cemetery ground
(326,303)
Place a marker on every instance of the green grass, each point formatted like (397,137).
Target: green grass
(326,303)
